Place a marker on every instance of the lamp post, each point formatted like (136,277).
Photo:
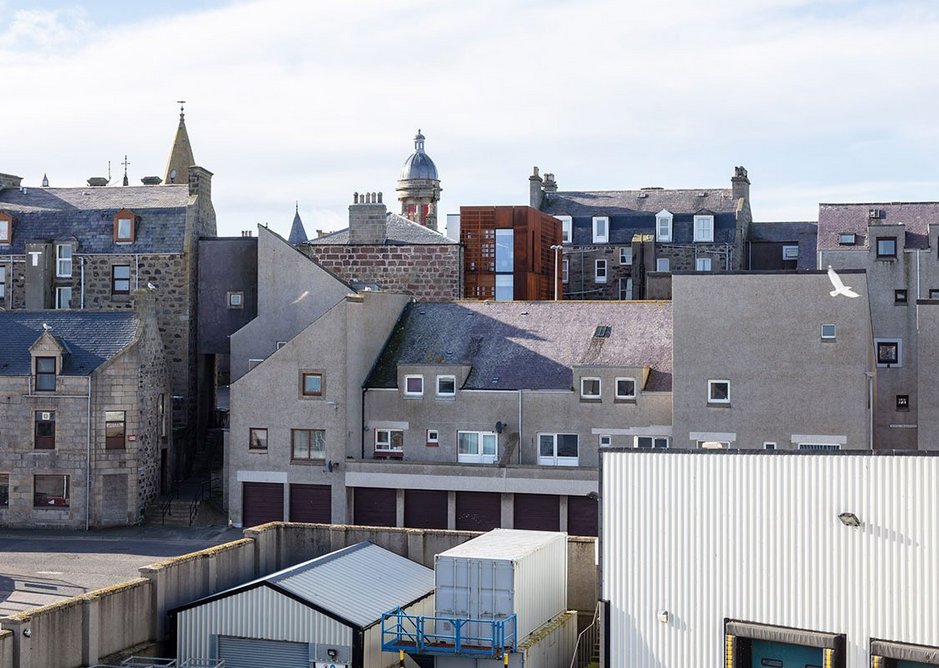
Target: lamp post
(557,249)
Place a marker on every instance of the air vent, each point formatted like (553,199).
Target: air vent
(702,194)
(642,195)
(602,331)
(875,214)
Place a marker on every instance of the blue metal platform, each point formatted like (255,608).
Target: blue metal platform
(417,634)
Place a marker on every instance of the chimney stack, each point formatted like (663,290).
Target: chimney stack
(536,194)
(368,219)
(550,185)
(740,185)
(10,181)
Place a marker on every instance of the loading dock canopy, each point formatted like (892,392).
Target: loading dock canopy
(904,652)
(782,634)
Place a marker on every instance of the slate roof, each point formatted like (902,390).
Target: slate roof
(530,345)
(87,214)
(836,219)
(297,233)
(90,338)
(805,234)
(400,230)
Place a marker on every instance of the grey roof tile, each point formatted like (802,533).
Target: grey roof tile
(837,219)
(647,200)
(86,214)
(530,345)
(400,230)
(91,338)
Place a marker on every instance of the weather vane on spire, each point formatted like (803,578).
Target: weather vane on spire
(125,163)
(182,109)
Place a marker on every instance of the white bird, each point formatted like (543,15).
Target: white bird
(840,287)
(46,327)
(151,287)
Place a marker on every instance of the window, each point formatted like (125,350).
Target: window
(599,271)
(626,255)
(662,264)
(3,282)
(311,384)
(433,438)
(50,491)
(656,442)
(769,445)
(903,402)
(120,279)
(253,362)
(828,332)
(115,428)
(476,447)
(236,299)
(45,374)
(414,386)
(557,449)
(590,388)
(6,228)
(625,288)
(279,344)
(389,441)
(702,264)
(601,229)
(663,226)
(889,352)
(718,391)
(566,223)
(820,447)
(886,247)
(934,294)
(63,298)
(63,260)
(307,444)
(704,228)
(847,239)
(712,445)
(446,386)
(790,253)
(44,430)
(124,227)
(505,250)
(564,272)
(4,490)
(899,297)
(162,415)
(505,287)
(257,438)
(605,440)
(626,388)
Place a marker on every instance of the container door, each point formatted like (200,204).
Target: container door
(425,509)
(254,652)
(311,503)
(376,507)
(262,502)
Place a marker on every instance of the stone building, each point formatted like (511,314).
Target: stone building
(623,244)
(390,252)
(419,187)
(91,247)
(82,393)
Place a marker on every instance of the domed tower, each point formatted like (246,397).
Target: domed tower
(418,186)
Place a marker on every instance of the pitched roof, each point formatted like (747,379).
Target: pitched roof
(530,345)
(399,230)
(356,584)
(297,233)
(87,214)
(837,219)
(804,234)
(90,338)
(647,200)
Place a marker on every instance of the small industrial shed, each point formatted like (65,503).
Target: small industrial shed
(326,610)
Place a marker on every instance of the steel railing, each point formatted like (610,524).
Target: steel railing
(448,635)
(586,644)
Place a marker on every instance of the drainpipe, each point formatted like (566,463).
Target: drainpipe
(520,424)
(364,390)
(88,461)
(136,271)
(81,304)
(870,409)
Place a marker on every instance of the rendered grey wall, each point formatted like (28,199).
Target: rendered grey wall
(225,265)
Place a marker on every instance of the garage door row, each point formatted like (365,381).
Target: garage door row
(264,502)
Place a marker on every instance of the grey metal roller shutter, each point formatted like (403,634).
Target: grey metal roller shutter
(254,652)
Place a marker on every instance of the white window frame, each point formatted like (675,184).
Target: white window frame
(769,445)
(3,282)
(599,276)
(790,252)
(63,298)
(565,271)
(663,226)
(624,397)
(412,376)
(63,262)
(625,288)
(433,437)
(599,221)
(384,440)
(567,224)
(834,332)
(655,442)
(555,459)
(704,228)
(663,265)
(599,393)
(889,339)
(128,226)
(480,456)
(712,384)
(6,229)
(702,264)
(446,395)
(604,440)
(626,255)
(253,362)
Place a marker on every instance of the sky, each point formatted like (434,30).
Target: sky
(308,101)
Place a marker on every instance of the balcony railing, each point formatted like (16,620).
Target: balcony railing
(417,634)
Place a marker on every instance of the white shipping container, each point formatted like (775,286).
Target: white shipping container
(501,573)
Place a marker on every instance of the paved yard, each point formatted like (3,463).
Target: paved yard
(42,566)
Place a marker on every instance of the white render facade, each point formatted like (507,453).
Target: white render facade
(698,547)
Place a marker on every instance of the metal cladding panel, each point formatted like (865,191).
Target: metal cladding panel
(505,572)
(256,613)
(756,537)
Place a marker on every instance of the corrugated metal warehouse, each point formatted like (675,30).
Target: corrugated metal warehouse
(325,610)
(738,559)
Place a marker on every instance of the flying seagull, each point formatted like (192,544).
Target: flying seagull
(838,284)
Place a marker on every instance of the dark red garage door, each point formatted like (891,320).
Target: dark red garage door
(538,512)
(425,509)
(261,502)
(582,516)
(478,511)
(375,507)
(311,503)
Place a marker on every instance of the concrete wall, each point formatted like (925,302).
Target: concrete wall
(225,265)
(6,649)
(927,394)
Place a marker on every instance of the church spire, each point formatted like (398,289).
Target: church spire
(177,169)
(297,233)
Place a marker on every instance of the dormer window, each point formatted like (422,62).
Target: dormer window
(45,374)
(601,229)
(566,224)
(663,226)
(6,228)
(704,228)
(125,226)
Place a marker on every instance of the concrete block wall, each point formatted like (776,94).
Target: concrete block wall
(6,649)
